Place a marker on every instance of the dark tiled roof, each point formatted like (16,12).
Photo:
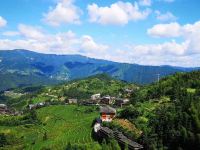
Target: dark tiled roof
(120,138)
(107,109)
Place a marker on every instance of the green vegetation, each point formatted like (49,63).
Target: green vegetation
(168,112)
(104,84)
(163,115)
(26,68)
(80,89)
(15,80)
(58,126)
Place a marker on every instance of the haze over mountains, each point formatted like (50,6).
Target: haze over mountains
(23,68)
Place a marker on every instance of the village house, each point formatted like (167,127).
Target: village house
(107,113)
(96,96)
(72,101)
(128,91)
(89,102)
(38,105)
(41,104)
(3,109)
(107,100)
(32,106)
(120,101)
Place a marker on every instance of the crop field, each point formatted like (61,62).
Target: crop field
(59,125)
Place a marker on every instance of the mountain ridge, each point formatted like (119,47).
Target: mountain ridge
(59,68)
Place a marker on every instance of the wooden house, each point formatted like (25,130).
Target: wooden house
(107,113)
(107,100)
(120,101)
(96,96)
(72,101)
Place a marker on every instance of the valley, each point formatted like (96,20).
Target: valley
(160,115)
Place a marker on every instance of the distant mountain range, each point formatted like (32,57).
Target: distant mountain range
(25,68)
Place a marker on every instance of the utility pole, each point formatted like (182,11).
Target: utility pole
(158,77)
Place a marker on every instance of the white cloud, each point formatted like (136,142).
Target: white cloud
(65,12)
(190,33)
(119,13)
(181,53)
(168,16)
(89,44)
(3,22)
(145,2)
(34,38)
(167,48)
(10,33)
(30,32)
(185,53)
(167,53)
(165,30)
(185,61)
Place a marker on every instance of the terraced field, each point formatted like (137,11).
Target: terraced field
(60,125)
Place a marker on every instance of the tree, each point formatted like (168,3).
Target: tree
(45,136)
(3,140)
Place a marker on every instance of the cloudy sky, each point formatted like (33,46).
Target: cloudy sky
(150,32)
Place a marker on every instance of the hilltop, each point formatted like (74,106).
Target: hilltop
(17,67)
(81,89)
(168,112)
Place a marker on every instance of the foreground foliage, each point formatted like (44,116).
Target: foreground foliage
(168,112)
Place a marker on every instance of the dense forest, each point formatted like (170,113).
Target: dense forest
(168,112)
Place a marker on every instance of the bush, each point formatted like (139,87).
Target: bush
(3,140)
(129,113)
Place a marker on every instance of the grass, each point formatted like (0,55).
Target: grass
(61,124)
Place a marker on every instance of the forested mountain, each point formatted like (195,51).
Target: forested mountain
(168,112)
(17,67)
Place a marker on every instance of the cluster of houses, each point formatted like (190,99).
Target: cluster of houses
(108,100)
(38,105)
(4,110)
(48,103)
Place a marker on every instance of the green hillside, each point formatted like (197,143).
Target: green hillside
(162,115)
(10,80)
(58,125)
(168,112)
(81,89)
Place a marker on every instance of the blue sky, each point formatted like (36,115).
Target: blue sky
(149,32)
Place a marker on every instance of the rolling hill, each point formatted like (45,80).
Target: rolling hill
(82,89)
